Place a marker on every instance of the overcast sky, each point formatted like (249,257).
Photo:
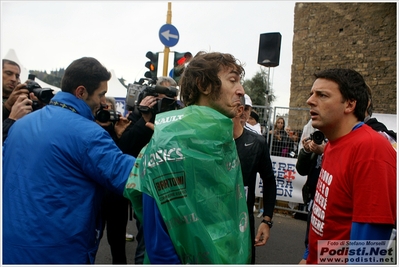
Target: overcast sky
(49,35)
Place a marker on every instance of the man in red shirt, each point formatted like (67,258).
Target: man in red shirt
(356,192)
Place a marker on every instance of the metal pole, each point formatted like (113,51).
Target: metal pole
(167,49)
(268,87)
(265,116)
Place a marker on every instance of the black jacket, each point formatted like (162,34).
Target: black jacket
(136,135)
(7,123)
(254,156)
(379,127)
(307,165)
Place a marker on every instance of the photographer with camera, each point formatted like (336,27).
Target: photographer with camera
(39,96)
(12,87)
(309,163)
(114,206)
(114,123)
(18,98)
(149,103)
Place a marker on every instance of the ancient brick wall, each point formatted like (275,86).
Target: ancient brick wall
(360,36)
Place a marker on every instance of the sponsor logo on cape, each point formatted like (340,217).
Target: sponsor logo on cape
(165,155)
(170,186)
(168,119)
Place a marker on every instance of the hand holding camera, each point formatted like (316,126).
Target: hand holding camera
(165,97)
(146,105)
(314,143)
(15,94)
(105,115)
(21,107)
(121,125)
(317,137)
(44,95)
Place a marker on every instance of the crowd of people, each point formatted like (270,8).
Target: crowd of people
(188,174)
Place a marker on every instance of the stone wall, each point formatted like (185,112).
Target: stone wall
(360,36)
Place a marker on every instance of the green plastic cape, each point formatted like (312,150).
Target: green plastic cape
(192,170)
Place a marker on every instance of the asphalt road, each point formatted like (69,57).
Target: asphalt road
(285,245)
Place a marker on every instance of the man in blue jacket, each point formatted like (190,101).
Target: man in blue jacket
(56,163)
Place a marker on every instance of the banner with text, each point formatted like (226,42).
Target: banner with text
(288,182)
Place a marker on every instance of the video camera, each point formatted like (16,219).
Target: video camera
(146,87)
(43,94)
(317,137)
(103,115)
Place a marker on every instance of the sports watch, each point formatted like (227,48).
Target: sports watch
(269,223)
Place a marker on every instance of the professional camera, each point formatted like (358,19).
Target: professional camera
(43,94)
(103,115)
(317,137)
(139,90)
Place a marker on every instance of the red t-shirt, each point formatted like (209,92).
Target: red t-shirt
(357,183)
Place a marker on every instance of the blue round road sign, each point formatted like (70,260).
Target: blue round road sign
(169,35)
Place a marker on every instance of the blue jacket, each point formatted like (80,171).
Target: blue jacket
(56,164)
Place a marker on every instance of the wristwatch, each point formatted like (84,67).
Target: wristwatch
(269,223)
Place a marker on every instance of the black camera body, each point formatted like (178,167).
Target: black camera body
(43,94)
(103,115)
(317,137)
(138,91)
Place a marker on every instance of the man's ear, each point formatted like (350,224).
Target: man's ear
(204,91)
(240,110)
(350,106)
(80,92)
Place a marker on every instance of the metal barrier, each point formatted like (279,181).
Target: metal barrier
(296,119)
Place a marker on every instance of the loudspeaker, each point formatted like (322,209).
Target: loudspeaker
(269,49)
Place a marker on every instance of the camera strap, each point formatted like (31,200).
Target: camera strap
(62,105)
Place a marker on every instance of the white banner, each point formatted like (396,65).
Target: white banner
(288,182)
(121,105)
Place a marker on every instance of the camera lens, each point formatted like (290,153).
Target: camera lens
(44,94)
(318,137)
(103,115)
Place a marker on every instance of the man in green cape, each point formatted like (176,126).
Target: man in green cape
(186,186)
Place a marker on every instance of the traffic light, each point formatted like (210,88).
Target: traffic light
(152,65)
(180,61)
